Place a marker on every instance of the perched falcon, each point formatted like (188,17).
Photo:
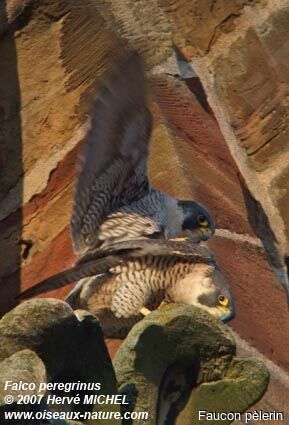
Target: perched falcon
(132,275)
(113,199)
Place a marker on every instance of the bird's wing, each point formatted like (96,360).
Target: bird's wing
(89,268)
(172,247)
(155,247)
(113,169)
(101,261)
(81,294)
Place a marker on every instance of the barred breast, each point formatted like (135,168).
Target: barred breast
(155,273)
(96,297)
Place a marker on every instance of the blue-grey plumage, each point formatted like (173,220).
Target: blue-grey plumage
(113,199)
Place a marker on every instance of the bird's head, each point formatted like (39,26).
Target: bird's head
(198,223)
(215,295)
(206,288)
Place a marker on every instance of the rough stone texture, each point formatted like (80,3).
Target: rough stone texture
(277,393)
(233,393)
(260,121)
(62,347)
(246,77)
(44,341)
(148,32)
(280,193)
(187,346)
(22,366)
(71,347)
(278,390)
(238,49)
(199,23)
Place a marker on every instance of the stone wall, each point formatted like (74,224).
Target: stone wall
(246,77)
(228,150)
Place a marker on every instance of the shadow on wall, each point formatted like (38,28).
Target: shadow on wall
(260,225)
(259,222)
(11,169)
(175,389)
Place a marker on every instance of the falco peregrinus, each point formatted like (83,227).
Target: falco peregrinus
(128,276)
(113,200)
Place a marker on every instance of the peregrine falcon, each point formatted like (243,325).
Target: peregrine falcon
(132,275)
(113,200)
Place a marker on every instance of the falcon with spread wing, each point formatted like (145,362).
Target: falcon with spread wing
(119,281)
(113,199)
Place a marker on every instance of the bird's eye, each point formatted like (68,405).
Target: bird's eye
(203,221)
(223,300)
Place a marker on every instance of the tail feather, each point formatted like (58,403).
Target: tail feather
(81,270)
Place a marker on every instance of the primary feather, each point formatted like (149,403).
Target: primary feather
(113,166)
(113,200)
(101,260)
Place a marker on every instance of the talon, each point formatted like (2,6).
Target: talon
(162,304)
(145,311)
(183,239)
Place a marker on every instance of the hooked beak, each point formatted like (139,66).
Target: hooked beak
(200,234)
(228,313)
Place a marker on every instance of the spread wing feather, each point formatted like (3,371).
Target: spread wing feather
(155,247)
(113,168)
(101,261)
(90,268)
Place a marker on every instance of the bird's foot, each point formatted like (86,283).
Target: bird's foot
(183,239)
(162,304)
(144,311)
